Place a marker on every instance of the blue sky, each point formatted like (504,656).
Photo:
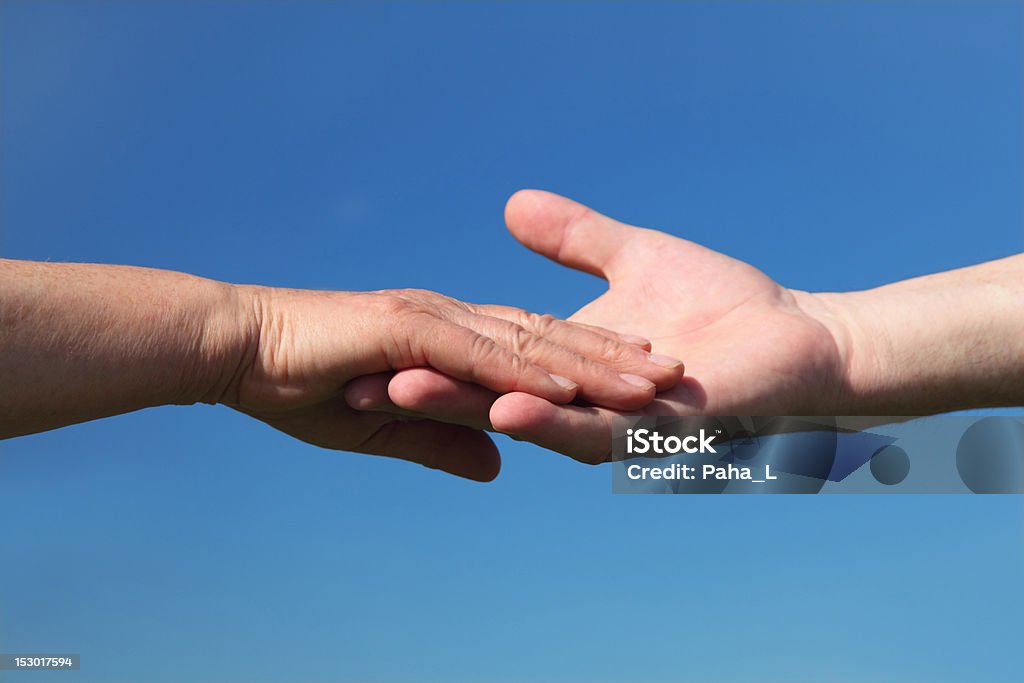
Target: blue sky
(360,146)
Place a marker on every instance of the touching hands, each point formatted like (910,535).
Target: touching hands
(307,345)
(751,346)
(420,376)
(85,341)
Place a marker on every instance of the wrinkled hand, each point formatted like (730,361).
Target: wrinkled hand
(305,346)
(751,347)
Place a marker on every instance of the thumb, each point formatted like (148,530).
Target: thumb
(568,232)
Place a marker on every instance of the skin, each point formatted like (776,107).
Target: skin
(942,342)
(83,341)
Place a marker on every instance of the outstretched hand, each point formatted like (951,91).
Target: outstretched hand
(751,346)
(85,341)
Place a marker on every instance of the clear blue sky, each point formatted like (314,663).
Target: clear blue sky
(356,146)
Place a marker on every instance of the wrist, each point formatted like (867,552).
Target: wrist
(228,342)
(282,349)
(867,383)
(889,362)
(932,344)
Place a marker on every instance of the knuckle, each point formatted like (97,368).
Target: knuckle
(518,365)
(539,323)
(611,350)
(521,317)
(522,341)
(545,323)
(484,350)
(489,354)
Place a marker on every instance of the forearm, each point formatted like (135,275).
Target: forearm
(80,341)
(949,341)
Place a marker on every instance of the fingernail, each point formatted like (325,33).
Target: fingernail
(665,361)
(633,339)
(564,382)
(638,381)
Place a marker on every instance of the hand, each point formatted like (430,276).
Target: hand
(751,346)
(85,341)
(307,345)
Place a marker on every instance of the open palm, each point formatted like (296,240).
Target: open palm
(751,347)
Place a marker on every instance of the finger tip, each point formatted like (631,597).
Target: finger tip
(367,393)
(523,199)
(533,216)
(486,461)
(467,453)
(489,473)
(417,387)
(567,389)
(483,470)
(518,412)
(666,380)
(638,384)
(517,207)
(636,340)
